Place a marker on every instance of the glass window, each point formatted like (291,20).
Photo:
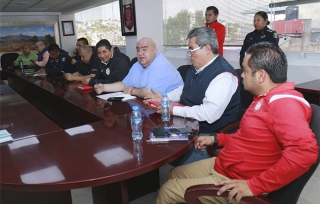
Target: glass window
(102,22)
(297,24)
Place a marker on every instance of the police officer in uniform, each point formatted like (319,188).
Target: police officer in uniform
(261,33)
(113,65)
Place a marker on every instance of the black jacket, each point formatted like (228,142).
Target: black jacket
(256,36)
(54,67)
(91,68)
(116,69)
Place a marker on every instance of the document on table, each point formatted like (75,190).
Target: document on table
(5,136)
(117,94)
(37,74)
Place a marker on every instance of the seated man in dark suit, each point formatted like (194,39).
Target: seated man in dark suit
(59,62)
(43,56)
(113,65)
(87,68)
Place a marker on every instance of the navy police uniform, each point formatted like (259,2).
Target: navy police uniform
(91,68)
(256,36)
(54,67)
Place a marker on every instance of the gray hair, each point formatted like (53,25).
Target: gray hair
(39,43)
(205,36)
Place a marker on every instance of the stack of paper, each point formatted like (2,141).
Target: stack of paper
(117,94)
(5,136)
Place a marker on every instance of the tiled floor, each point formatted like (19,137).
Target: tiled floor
(309,195)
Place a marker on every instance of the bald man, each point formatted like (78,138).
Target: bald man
(87,68)
(152,71)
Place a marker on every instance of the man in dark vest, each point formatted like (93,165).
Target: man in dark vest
(210,92)
(43,55)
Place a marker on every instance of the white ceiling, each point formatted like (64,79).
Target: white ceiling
(63,6)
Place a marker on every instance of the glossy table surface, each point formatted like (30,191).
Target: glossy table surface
(92,154)
(20,118)
(310,86)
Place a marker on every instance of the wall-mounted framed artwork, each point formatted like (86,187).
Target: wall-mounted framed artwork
(14,35)
(67,28)
(128,17)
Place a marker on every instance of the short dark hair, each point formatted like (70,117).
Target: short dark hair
(84,40)
(267,56)
(53,47)
(215,9)
(264,15)
(105,43)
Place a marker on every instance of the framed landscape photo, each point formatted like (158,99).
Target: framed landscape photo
(128,17)
(67,28)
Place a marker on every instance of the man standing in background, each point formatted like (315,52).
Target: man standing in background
(212,14)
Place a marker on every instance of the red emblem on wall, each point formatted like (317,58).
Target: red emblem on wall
(127,16)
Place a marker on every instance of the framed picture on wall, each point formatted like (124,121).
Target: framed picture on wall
(67,28)
(128,17)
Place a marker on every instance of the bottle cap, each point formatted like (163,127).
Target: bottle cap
(135,108)
(164,95)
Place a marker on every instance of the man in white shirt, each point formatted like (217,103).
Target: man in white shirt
(210,91)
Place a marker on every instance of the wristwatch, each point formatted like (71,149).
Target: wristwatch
(216,140)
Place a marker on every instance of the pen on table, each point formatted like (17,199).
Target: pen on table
(63,72)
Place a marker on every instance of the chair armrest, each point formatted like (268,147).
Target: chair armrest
(192,193)
(212,149)
(229,127)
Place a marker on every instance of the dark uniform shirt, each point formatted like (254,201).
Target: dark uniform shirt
(54,67)
(91,68)
(113,71)
(256,36)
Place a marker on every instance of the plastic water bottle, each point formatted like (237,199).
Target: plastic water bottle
(21,67)
(165,107)
(136,123)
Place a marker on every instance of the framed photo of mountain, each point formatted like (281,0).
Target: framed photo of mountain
(15,35)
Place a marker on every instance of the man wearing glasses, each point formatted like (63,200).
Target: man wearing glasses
(152,71)
(210,92)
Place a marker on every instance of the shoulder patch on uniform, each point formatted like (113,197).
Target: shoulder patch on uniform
(63,59)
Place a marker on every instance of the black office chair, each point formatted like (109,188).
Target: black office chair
(133,60)
(183,69)
(287,194)
(7,59)
(246,97)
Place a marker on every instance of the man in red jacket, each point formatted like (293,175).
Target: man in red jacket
(212,14)
(273,146)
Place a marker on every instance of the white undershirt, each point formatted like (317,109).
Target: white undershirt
(217,98)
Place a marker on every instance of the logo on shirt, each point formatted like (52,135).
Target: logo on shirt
(63,59)
(258,106)
(107,71)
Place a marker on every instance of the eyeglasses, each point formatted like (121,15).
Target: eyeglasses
(191,51)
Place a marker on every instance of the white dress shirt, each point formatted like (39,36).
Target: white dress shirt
(216,100)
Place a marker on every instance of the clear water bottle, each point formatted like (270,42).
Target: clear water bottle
(136,123)
(21,67)
(165,107)
(138,152)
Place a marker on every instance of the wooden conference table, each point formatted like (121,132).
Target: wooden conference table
(310,91)
(67,139)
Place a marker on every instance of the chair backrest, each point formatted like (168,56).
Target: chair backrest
(246,97)
(183,71)
(133,60)
(291,192)
(7,59)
